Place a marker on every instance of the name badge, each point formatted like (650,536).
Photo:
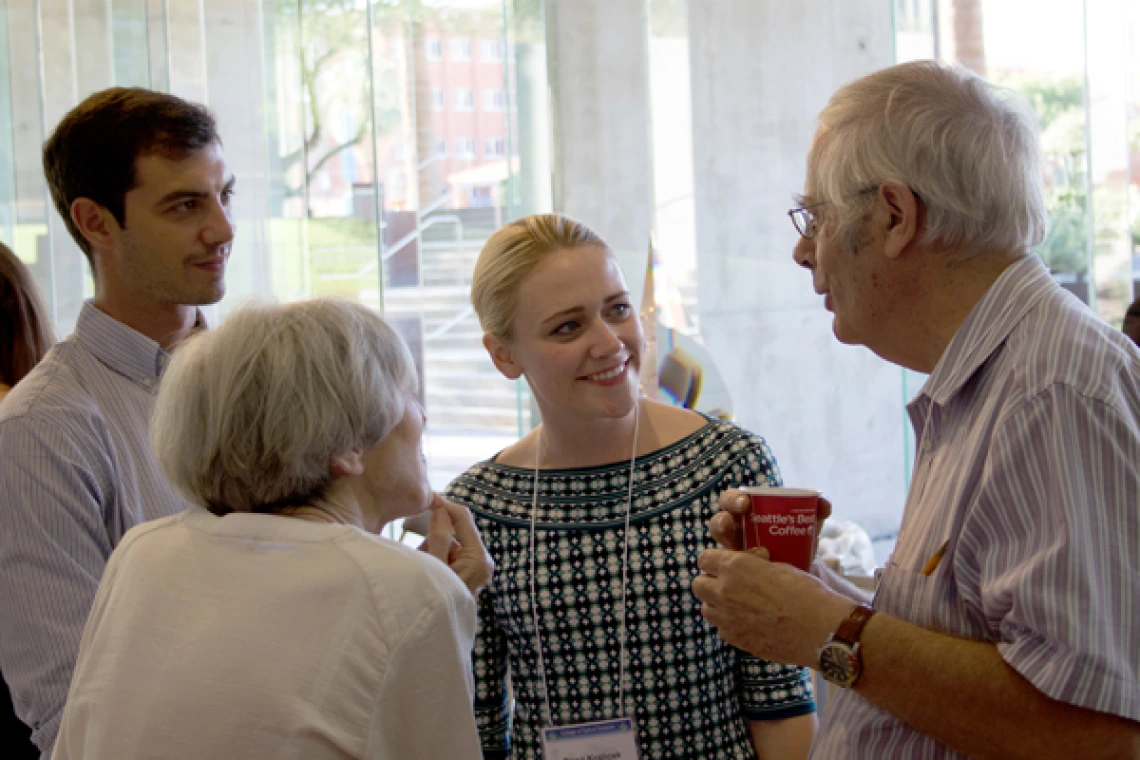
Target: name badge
(603,740)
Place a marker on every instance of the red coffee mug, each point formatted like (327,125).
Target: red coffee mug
(782,520)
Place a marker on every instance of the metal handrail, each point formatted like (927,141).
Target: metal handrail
(401,243)
(446,326)
(422,225)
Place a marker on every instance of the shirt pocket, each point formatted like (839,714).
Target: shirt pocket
(917,584)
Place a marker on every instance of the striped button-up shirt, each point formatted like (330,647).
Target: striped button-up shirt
(1028,472)
(76,473)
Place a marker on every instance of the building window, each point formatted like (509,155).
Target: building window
(464,99)
(493,100)
(434,49)
(491,51)
(495,147)
(461,50)
(465,147)
(437,98)
(441,147)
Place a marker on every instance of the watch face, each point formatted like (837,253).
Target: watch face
(838,663)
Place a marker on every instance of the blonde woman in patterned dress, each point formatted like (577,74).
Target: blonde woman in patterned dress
(555,309)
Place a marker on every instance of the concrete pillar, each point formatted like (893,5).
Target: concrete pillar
(833,414)
(599,81)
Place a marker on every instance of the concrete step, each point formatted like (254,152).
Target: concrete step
(476,417)
(450,341)
(435,404)
(488,395)
(461,375)
(472,353)
(444,278)
(448,375)
(478,369)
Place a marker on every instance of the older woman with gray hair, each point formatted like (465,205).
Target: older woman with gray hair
(270,619)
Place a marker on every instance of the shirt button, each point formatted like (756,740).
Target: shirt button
(148,382)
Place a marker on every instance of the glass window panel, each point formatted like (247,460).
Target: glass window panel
(675,234)
(1076,62)
(345,183)
(7,140)
(129,43)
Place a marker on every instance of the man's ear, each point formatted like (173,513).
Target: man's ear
(502,357)
(897,213)
(95,222)
(346,465)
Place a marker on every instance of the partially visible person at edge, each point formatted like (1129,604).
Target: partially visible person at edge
(1007,621)
(140,179)
(555,309)
(25,337)
(25,326)
(1131,326)
(296,630)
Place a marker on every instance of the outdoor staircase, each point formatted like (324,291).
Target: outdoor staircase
(463,391)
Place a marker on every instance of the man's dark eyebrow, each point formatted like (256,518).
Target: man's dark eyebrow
(179,195)
(185,195)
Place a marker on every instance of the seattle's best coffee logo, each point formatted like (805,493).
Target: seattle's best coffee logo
(802,524)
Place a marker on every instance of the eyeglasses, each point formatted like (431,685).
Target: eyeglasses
(804,218)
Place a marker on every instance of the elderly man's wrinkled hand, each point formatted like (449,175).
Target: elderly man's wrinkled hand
(770,609)
(454,540)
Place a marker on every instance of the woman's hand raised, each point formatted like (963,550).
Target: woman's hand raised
(454,540)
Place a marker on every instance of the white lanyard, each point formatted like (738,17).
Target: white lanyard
(624,568)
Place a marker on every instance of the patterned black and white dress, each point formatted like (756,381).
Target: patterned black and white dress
(691,693)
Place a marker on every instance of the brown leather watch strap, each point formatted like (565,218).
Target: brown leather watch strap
(852,626)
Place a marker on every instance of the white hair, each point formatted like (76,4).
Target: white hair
(249,415)
(966,148)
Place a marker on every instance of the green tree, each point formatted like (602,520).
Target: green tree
(332,57)
(1059,105)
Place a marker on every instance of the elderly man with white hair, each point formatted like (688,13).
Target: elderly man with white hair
(271,620)
(1006,623)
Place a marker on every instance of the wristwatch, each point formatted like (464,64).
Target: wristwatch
(840,660)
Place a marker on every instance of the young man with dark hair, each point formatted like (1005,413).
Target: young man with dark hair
(140,179)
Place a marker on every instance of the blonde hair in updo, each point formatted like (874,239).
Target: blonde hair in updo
(510,255)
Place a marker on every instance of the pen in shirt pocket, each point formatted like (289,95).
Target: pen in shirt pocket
(935,559)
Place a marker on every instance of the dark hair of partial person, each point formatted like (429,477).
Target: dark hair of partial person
(25,330)
(93,152)
(1133,309)
(1131,326)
